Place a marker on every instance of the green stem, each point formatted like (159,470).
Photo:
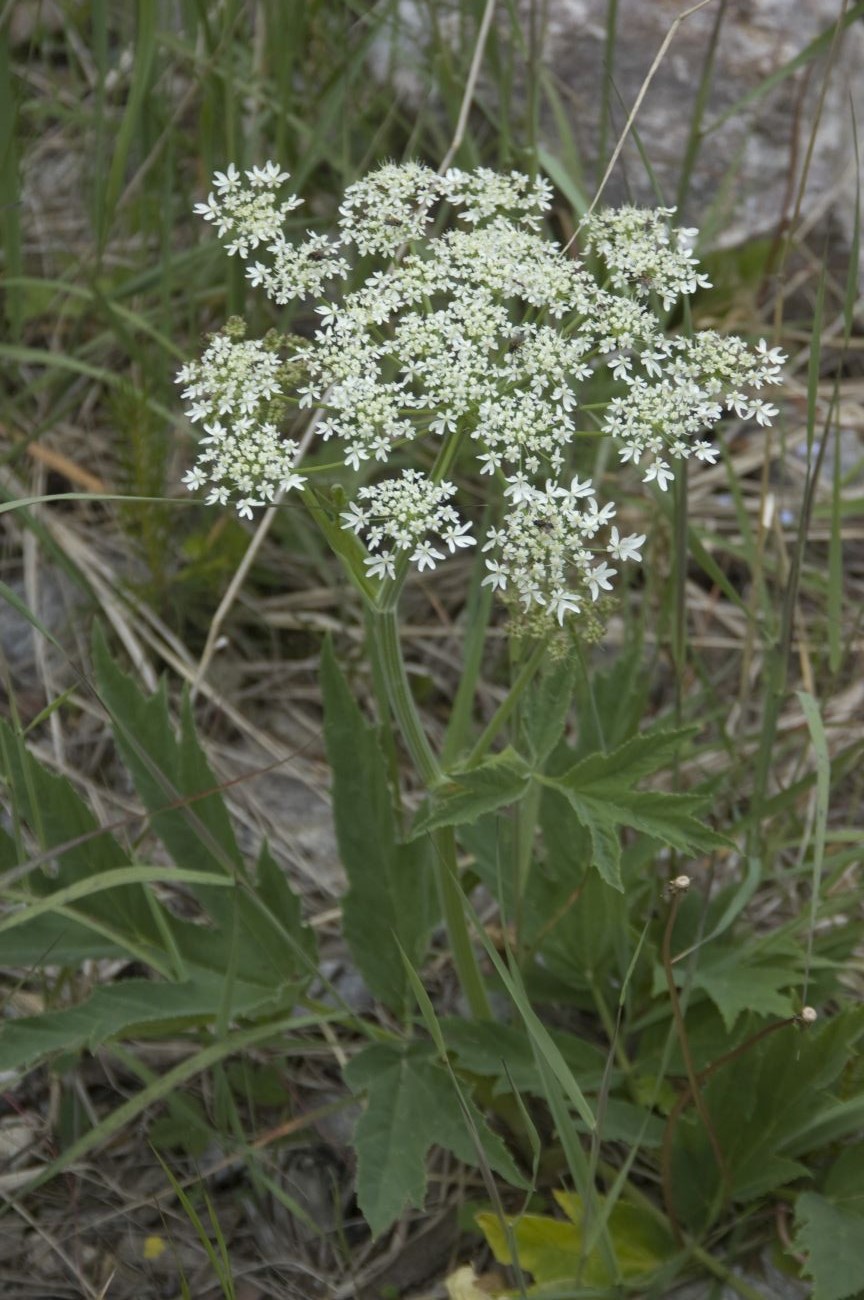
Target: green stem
(384,624)
(385,629)
(508,704)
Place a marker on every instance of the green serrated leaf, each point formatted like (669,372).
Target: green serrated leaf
(60,821)
(736,986)
(177,786)
(284,906)
(411,1106)
(600,791)
(390,894)
(637,758)
(832,1238)
(172,777)
(767,1107)
(466,796)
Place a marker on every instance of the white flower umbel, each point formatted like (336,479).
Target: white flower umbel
(389,207)
(483,193)
(248,214)
(473,332)
(243,455)
(543,555)
(409,513)
(643,253)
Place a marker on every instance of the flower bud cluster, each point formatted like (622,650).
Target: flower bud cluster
(481,338)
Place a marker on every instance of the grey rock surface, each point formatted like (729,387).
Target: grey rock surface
(755,142)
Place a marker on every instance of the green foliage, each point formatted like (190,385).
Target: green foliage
(832,1238)
(765,1107)
(465,796)
(130,1008)
(556,1250)
(545,710)
(600,790)
(735,985)
(390,899)
(250,961)
(411,1104)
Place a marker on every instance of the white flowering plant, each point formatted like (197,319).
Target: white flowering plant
(457,357)
(477,337)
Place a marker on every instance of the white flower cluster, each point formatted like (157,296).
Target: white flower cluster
(243,453)
(545,544)
(250,215)
(403,512)
(486,338)
(642,252)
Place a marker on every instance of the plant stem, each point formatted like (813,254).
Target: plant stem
(384,625)
(385,629)
(508,704)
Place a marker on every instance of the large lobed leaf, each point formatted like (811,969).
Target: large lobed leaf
(832,1237)
(411,1105)
(601,791)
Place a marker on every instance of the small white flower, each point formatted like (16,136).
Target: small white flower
(425,556)
(354,518)
(561,603)
(355,455)
(660,472)
(458,535)
(578,489)
(194,478)
(599,577)
(519,488)
(625,548)
(773,356)
(381,565)
(620,367)
(496,577)
(228,180)
(289,481)
(763,411)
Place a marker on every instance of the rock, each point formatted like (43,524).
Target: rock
(755,140)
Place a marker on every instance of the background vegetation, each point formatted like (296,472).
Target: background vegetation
(174,1118)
